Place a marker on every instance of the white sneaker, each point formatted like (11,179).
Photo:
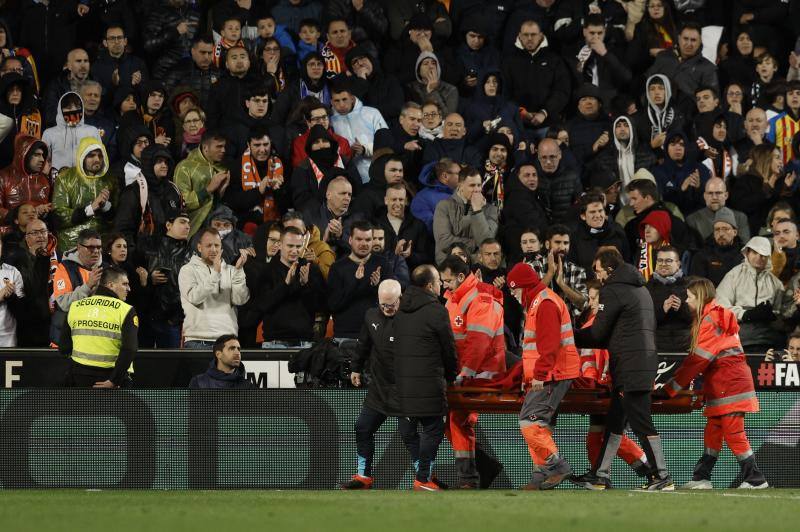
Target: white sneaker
(698,485)
(747,486)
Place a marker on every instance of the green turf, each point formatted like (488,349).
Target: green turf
(381,511)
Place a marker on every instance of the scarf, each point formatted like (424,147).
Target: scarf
(670,279)
(323,94)
(221,47)
(431,134)
(334,58)
(666,38)
(251,179)
(660,119)
(319,174)
(626,161)
(647,255)
(493,183)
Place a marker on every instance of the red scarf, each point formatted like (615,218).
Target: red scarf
(334,57)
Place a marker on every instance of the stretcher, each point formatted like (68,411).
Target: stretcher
(577,401)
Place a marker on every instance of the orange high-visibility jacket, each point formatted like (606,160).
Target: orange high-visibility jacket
(477,321)
(727,379)
(567,363)
(594,362)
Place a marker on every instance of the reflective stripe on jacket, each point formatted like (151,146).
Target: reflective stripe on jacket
(567,363)
(727,380)
(477,322)
(595,362)
(96,324)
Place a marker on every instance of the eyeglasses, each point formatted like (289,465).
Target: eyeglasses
(390,306)
(114,38)
(91,248)
(737,93)
(40,232)
(192,121)
(318,119)
(665,261)
(431,115)
(143,142)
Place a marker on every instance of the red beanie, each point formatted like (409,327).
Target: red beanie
(662,223)
(522,276)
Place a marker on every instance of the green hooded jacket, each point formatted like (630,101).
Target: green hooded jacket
(74,191)
(192,176)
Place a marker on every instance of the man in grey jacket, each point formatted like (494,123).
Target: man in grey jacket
(465,217)
(210,289)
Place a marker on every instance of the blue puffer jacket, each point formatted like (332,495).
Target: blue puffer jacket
(216,379)
(424,204)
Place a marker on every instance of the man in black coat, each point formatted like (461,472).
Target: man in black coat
(595,230)
(721,251)
(667,287)
(524,207)
(425,361)
(625,325)
(375,350)
(405,235)
(373,87)
(226,370)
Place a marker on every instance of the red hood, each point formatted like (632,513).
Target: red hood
(22,146)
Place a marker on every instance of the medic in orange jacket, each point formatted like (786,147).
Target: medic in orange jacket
(728,388)
(476,317)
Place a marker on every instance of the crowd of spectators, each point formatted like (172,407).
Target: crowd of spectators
(258,167)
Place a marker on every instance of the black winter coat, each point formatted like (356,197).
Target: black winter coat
(33,325)
(49,32)
(186,72)
(584,243)
(536,82)
(523,208)
(411,230)
(560,189)
(425,354)
(162,40)
(625,325)
(216,379)
(375,356)
(672,328)
(170,254)
(458,150)
(714,261)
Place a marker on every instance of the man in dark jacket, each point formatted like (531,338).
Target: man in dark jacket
(425,360)
(114,66)
(594,231)
(290,293)
(370,85)
(537,77)
(145,205)
(197,71)
(667,287)
(49,32)
(524,207)
(376,349)
(406,140)
(405,235)
(559,181)
(453,144)
(722,250)
(33,262)
(226,370)
(168,34)
(385,171)
(643,198)
(226,95)
(625,325)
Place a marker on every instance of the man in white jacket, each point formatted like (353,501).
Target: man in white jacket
(210,289)
(357,123)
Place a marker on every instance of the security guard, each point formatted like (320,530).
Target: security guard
(100,335)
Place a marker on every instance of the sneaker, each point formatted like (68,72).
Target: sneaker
(425,486)
(702,484)
(357,483)
(442,485)
(556,474)
(659,484)
(590,481)
(536,481)
(747,486)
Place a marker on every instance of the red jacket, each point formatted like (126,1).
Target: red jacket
(727,379)
(17,186)
(476,318)
(299,148)
(548,344)
(594,363)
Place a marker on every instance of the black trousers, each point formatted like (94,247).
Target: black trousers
(423,444)
(80,376)
(367,424)
(630,408)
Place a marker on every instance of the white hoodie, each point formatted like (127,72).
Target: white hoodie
(63,140)
(208,299)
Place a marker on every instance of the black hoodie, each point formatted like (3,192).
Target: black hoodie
(625,325)
(379,90)
(216,379)
(16,112)
(425,354)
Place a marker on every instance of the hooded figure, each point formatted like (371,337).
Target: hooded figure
(723,160)
(18,184)
(660,117)
(496,109)
(128,166)
(25,56)
(671,174)
(379,90)
(445,95)
(233,240)
(147,203)
(359,125)
(495,172)
(624,156)
(661,222)
(76,189)
(310,178)
(27,118)
(64,138)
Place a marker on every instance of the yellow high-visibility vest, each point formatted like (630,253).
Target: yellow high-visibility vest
(96,324)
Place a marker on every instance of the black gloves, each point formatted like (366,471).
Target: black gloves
(761,312)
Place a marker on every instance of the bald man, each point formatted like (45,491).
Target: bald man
(76,70)
(375,347)
(755,127)
(453,144)
(715,195)
(558,180)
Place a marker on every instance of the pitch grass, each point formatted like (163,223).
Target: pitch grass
(382,511)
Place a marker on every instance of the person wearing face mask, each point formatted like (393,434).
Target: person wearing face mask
(62,139)
(311,177)
(234,241)
(146,204)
